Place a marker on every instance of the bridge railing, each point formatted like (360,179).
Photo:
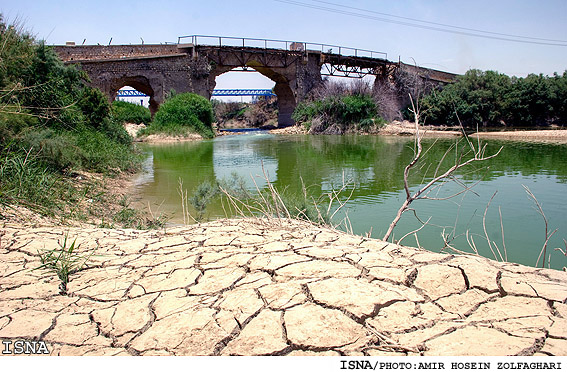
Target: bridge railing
(243,92)
(216,92)
(279,44)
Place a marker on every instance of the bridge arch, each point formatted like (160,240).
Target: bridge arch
(141,84)
(285,96)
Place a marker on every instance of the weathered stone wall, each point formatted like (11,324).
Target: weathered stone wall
(90,52)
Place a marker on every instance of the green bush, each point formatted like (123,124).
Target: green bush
(57,150)
(114,130)
(100,153)
(126,112)
(185,112)
(357,108)
(94,106)
(348,111)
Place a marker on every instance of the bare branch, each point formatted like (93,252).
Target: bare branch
(547,234)
(478,155)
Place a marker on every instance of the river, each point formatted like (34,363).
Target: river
(374,165)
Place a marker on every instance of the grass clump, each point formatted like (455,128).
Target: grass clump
(126,112)
(181,115)
(63,261)
(129,217)
(267,202)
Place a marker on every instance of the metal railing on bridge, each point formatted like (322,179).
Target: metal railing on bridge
(130,93)
(279,44)
(216,92)
(243,92)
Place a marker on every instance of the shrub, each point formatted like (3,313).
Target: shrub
(94,106)
(59,151)
(114,130)
(357,108)
(184,112)
(100,153)
(126,112)
(335,114)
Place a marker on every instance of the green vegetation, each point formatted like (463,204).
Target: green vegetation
(126,112)
(489,98)
(182,114)
(202,196)
(52,126)
(63,261)
(339,110)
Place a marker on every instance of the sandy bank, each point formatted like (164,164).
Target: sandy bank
(133,129)
(557,135)
(277,287)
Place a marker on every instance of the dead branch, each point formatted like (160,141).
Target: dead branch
(478,155)
(547,234)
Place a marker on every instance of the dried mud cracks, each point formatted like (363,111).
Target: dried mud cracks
(243,287)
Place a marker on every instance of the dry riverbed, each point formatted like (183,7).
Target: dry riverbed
(272,287)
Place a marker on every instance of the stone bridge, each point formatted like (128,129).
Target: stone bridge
(157,69)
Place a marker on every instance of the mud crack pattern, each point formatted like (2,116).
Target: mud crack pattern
(277,287)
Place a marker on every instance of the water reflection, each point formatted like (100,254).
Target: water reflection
(375,165)
(245,158)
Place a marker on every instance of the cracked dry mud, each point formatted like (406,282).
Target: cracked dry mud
(278,287)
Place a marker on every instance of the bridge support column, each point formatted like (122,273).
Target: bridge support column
(307,77)
(286,104)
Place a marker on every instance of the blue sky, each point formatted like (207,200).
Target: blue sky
(126,22)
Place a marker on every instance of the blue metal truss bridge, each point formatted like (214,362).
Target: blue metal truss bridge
(216,92)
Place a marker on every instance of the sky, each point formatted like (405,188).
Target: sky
(413,31)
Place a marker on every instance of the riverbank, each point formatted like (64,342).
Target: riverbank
(550,135)
(395,128)
(133,130)
(272,287)
(406,128)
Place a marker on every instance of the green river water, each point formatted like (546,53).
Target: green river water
(375,164)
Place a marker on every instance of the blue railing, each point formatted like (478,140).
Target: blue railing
(243,92)
(130,93)
(216,92)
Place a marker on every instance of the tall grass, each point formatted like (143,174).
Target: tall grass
(26,181)
(269,202)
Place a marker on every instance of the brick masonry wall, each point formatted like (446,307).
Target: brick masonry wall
(85,52)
